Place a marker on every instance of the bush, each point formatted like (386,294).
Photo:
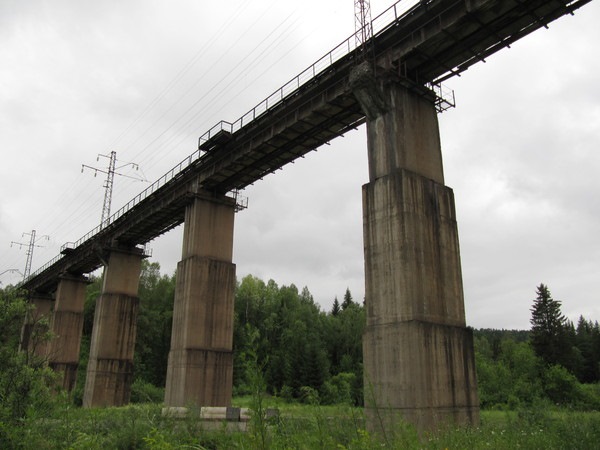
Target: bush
(286,393)
(24,380)
(590,397)
(309,395)
(144,392)
(339,389)
(560,385)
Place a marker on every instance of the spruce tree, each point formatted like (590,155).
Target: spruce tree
(335,310)
(347,299)
(548,328)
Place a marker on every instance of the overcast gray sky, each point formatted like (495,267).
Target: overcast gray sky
(147,78)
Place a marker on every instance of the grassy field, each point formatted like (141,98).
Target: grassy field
(298,427)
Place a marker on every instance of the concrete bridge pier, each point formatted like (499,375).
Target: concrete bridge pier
(32,330)
(66,325)
(418,352)
(110,365)
(200,367)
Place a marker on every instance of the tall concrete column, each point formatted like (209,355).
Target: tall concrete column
(418,353)
(110,365)
(66,326)
(200,368)
(36,324)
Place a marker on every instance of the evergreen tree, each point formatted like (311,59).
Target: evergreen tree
(548,328)
(589,369)
(335,309)
(347,299)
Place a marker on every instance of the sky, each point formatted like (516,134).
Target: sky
(146,78)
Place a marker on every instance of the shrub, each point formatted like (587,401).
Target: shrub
(560,386)
(144,392)
(339,389)
(309,395)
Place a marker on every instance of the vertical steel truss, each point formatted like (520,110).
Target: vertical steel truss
(362,23)
(108,186)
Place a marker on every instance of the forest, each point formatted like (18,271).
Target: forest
(307,356)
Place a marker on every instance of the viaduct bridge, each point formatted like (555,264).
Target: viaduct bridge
(418,352)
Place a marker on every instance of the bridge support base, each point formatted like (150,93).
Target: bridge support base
(200,368)
(110,365)
(418,353)
(67,326)
(34,328)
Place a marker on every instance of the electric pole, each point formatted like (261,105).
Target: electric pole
(32,244)
(110,172)
(362,25)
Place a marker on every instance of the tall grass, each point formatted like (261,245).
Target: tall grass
(298,427)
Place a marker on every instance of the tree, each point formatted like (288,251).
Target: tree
(347,299)
(154,321)
(548,329)
(335,309)
(506,376)
(25,381)
(588,347)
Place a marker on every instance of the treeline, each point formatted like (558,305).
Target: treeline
(311,355)
(304,353)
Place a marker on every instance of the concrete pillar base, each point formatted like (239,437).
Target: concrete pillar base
(36,325)
(213,368)
(200,368)
(111,383)
(67,326)
(425,376)
(110,367)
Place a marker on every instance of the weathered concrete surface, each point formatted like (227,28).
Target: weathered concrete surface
(418,354)
(110,365)
(36,324)
(200,368)
(66,326)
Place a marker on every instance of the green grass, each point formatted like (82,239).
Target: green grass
(299,427)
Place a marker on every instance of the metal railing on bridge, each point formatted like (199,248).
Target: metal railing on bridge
(379,24)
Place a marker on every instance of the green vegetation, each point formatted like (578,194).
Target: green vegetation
(24,377)
(298,427)
(291,355)
(554,362)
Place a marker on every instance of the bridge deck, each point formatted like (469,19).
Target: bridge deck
(422,42)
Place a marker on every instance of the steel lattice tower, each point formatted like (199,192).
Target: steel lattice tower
(362,23)
(29,253)
(108,186)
